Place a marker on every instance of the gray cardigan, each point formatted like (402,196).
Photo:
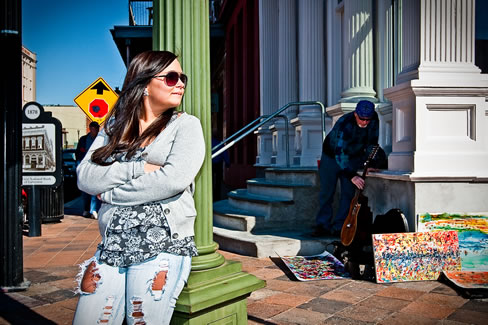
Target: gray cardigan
(179,148)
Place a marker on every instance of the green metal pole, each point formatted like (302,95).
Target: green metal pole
(217,288)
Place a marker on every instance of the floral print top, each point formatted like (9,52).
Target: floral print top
(137,233)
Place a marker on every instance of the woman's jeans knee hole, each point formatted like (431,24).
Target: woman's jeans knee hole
(90,278)
(107,310)
(137,314)
(159,280)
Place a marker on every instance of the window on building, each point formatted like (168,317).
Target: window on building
(39,142)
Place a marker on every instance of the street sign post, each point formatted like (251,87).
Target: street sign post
(41,159)
(97,100)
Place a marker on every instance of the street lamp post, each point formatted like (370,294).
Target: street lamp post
(11,265)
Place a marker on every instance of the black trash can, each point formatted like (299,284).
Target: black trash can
(52,203)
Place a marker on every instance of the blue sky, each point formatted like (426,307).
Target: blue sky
(73,44)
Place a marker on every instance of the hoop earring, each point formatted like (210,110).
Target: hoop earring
(146,93)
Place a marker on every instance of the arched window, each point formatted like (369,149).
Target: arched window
(39,142)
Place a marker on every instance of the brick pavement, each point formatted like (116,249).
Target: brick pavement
(50,263)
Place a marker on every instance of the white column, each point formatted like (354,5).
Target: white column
(268,52)
(409,31)
(384,60)
(334,52)
(451,120)
(403,112)
(311,76)
(358,50)
(385,69)
(357,56)
(447,40)
(287,55)
(311,53)
(439,118)
(287,81)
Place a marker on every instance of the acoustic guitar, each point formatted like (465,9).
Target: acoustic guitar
(350,224)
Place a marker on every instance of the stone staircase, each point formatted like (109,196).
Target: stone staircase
(273,216)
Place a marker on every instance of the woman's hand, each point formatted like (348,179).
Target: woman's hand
(148,168)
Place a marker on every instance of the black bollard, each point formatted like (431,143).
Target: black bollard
(34,211)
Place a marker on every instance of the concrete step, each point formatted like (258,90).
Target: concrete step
(300,175)
(275,188)
(229,217)
(256,203)
(274,244)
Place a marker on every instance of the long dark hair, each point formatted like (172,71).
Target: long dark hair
(123,128)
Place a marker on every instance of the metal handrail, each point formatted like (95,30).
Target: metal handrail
(249,125)
(248,129)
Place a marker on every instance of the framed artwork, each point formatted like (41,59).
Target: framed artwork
(415,256)
(472,233)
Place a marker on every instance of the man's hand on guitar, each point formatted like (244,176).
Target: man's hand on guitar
(358,181)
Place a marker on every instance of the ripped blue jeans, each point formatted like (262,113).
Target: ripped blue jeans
(143,293)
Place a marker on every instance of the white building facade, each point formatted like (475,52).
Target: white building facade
(29,68)
(74,122)
(415,60)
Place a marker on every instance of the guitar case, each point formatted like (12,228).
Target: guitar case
(358,257)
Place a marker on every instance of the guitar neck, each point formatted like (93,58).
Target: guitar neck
(356,195)
(368,161)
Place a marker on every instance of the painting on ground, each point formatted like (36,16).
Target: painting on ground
(472,233)
(468,279)
(415,256)
(318,267)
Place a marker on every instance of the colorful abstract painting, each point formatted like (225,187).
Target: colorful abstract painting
(472,233)
(415,256)
(318,267)
(468,279)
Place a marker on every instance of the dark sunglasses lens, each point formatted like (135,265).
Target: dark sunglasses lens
(183,78)
(172,79)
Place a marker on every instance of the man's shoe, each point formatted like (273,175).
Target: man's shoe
(94,215)
(319,232)
(86,214)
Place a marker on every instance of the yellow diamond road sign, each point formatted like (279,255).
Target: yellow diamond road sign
(97,100)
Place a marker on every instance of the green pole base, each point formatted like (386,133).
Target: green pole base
(216,294)
(231,313)
(207,258)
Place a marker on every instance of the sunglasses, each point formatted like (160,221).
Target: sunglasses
(364,119)
(171,78)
